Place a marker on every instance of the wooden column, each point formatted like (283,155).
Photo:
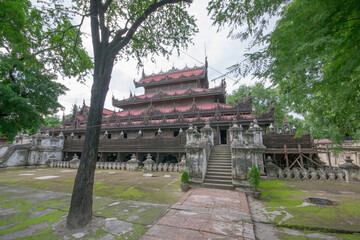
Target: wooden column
(328,155)
(286,156)
(301,156)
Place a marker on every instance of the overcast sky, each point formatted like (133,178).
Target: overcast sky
(221,51)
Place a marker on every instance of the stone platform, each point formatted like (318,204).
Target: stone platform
(205,213)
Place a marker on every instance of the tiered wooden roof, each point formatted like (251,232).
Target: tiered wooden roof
(173,76)
(175,107)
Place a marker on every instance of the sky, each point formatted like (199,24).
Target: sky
(221,52)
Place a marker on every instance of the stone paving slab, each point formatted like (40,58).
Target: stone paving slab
(205,213)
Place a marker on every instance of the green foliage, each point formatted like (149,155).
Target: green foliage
(254,177)
(312,57)
(35,47)
(185,177)
(52,121)
(261,99)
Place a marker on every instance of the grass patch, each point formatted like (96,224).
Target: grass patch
(281,197)
(50,218)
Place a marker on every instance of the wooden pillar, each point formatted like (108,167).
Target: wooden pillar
(328,155)
(218,135)
(301,156)
(274,157)
(286,156)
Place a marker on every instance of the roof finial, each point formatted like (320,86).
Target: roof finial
(131,94)
(143,73)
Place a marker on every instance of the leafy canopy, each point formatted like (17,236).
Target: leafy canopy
(312,56)
(36,45)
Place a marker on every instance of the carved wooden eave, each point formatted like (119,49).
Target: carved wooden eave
(166,79)
(218,92)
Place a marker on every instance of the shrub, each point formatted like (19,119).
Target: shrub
(185,177)
(254,177)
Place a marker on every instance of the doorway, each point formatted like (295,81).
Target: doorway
(223,136)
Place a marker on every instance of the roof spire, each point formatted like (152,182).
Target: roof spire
(143,73)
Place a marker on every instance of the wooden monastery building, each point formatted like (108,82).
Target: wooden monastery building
(155,122)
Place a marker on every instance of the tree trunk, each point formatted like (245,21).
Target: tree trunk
(80,212)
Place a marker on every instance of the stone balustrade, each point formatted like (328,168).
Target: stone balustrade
(311,174)
(155,167)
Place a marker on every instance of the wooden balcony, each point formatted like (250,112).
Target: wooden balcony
(139,144)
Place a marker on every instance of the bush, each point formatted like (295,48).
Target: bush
(185,177)
(254,177)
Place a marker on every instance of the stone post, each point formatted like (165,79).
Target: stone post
(271,168)
(246,149)
(133,163)
(52,160)
(351,170)
(182,164)
(207,133)
(197,152)
(74,163)
(236,133)
(148,163)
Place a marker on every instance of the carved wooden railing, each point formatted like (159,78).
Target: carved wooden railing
(140,144)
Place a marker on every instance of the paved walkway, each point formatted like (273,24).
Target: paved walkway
(205,213)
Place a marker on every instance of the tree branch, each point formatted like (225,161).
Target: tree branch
(119,42)
(106,5)
(94,11)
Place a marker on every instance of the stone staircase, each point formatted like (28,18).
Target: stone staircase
(218,173)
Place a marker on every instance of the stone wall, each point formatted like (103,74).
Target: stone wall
(198,147)
(32,151)
(246,149)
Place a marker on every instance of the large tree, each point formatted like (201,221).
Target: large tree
(312,56)
(119,30)
(36,45)
(262,98)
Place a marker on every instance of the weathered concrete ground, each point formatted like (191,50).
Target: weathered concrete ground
(123,207)
(205,214)
(283,212)
(34,204)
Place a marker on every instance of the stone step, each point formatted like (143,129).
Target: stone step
(220,156)
(217,177)
(218,181)
(219,186)
(225,170)
(224,174)
(219,165)
(219,160)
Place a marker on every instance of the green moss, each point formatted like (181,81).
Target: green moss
(60,203)
(283,196)
(278,194)
(44,234)
(138,231)
(131,194)
(50,218)
(100,232)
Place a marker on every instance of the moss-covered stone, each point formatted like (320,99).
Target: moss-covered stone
(284,200)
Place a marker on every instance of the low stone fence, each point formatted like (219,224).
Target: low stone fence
(348,172)
(154,167)
(311,174)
